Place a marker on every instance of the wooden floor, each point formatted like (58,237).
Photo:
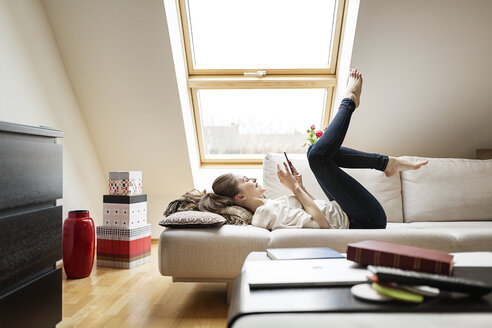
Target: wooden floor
(141,297)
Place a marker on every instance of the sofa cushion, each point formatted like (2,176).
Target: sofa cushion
(236,215)
(386,190)
(338,239)
(192,219)
(442,236)
(464,226)
(448,189)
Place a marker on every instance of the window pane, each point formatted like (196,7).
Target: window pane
(261,33)
(249,121)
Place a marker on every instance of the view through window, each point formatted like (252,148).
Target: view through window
(261,72)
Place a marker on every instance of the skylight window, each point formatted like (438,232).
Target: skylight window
(251,34)
(260,73)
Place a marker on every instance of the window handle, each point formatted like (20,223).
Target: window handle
(257,73)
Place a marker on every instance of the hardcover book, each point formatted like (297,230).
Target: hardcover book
(302,253)
(400,256)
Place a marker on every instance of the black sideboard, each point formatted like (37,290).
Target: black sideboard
(30,226)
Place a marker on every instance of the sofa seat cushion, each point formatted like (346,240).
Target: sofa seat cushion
(448,189)
(209,253)
(386,190)
(443,236)
(445,226)
(219,253)
(469,236)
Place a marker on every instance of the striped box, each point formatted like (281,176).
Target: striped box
(125,183)
(123,248)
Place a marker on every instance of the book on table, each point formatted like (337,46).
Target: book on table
(372,252)
(303,253)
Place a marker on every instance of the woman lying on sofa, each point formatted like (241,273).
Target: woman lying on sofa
(350,205)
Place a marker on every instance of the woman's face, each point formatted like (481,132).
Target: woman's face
(249,187)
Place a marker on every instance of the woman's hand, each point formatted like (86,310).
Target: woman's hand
(297,175)
(286,178)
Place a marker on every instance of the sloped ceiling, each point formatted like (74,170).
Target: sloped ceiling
(118,57)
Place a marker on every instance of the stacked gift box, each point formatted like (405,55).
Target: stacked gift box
(123,241)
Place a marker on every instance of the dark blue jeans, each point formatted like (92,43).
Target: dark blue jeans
(326,157)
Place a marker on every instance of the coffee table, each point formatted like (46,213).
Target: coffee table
(331,306)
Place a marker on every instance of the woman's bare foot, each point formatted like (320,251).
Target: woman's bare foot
(397,164)
(354,86)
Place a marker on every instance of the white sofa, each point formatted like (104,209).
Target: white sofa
(446,205)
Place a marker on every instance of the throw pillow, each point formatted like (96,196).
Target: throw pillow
(236,215)
(193,219)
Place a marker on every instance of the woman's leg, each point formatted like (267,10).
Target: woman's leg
(330,142)
(356,159)
(363,210)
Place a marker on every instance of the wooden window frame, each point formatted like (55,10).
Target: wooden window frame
(200,79)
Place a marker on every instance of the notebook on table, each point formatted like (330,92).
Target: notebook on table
(301,253)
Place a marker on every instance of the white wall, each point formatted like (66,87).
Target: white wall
(118,57)
(427,68)
(35,90)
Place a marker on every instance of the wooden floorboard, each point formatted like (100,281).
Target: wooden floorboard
(141,297)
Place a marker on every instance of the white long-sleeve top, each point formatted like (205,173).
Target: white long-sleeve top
(287,212)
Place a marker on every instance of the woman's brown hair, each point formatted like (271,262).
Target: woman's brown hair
(225,187)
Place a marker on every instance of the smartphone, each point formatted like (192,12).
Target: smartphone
(289,163)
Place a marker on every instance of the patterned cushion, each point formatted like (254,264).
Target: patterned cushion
(193,219)
(236,215)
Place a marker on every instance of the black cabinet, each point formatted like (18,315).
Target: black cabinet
(30,226)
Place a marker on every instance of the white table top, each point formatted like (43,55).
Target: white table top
(365,320)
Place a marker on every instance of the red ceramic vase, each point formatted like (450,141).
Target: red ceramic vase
(78,244)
